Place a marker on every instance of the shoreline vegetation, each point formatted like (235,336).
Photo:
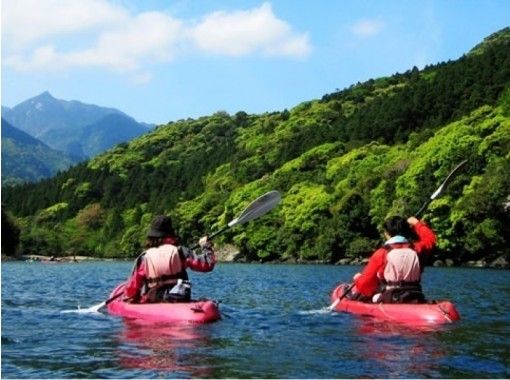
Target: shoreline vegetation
(229,254)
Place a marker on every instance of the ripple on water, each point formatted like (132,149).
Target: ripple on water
(271,327)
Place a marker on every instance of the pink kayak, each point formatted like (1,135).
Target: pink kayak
(435,313)
(200,311)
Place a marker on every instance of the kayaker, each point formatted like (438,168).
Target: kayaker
(393,272)
(163,265)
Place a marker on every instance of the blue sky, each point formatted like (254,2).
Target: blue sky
(161,61)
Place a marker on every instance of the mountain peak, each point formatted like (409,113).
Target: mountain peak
(44,96)
(42,102)
(72,126)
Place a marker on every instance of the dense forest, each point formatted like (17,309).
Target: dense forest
(342,163)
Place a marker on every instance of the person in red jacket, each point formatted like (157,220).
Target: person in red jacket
(159,274)
(393,272)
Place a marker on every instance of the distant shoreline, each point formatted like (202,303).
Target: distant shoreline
(499,263)
(56,259)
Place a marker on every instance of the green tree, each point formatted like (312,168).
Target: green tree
(10,234)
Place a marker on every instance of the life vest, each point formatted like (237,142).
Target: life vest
(402,263)
(164,266)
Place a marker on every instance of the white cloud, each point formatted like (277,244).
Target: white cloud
(27,21)
(64,34)
(43,57)
(247,32)
(149,36)
(367,28)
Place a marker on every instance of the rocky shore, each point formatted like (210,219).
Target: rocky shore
(230,254)
(51,259)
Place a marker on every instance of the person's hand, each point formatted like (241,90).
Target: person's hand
(353,292)
(412,220)
(356,276)
(203,242)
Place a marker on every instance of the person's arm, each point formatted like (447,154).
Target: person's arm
(200,262)
(367,282)
(135,282)
(426,237)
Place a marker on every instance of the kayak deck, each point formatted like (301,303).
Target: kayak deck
(195,311)
(435,313)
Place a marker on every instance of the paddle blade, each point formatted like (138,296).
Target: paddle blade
(92,309)
(333,305)
(447,180)
(258,207)
(440,188)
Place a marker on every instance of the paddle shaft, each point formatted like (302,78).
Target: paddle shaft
(337,301)
(212,236)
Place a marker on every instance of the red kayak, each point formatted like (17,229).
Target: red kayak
(435,313)
(200,311)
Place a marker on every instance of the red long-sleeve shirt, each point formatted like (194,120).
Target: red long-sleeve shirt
(368,282)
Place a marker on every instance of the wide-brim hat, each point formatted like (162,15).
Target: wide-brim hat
(161,226)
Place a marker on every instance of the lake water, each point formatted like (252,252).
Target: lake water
(271,327)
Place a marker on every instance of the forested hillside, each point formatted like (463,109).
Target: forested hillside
(342,163)
(25,158)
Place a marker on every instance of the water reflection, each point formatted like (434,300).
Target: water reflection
(169,348)
(401,350)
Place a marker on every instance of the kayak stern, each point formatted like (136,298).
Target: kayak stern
(195,311)
(432,313)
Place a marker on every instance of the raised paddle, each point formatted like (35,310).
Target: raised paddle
(436,194)
(441,188)
(257,208)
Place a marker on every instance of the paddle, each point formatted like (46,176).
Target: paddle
(257,208)
(436,194)
(440,188)
(337,301)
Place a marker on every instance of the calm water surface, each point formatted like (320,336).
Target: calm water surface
(271,327)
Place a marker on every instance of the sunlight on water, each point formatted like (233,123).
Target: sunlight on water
(80,311)
(324,310)
(92,309)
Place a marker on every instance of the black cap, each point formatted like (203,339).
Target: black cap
(161,226)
